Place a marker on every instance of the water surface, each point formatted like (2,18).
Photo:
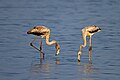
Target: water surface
(65,18)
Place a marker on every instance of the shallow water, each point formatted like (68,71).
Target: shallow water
(65,18)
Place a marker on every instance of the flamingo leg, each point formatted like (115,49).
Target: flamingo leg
(41,52)
(31,44)
(41,46)
(90,40)
(90,48)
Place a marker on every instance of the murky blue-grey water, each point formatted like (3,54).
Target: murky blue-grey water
(65,18)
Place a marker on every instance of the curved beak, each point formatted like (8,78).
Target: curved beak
(57,46)
(57,52)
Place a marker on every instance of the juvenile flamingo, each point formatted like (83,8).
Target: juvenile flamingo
(43,32)
(87,32)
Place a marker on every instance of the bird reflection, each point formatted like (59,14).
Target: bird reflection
(90,54)
(86,69)
(43,66)
(40,67)
(57,61)
(37,68)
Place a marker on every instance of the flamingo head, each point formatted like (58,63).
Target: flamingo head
(33,31)
(57,46)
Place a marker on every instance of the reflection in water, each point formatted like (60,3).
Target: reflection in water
(87,69)
(38,68)
(42,66)
(90,53)
(57,61)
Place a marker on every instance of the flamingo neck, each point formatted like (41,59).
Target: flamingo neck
(47,40)
(84,41)
(83,45)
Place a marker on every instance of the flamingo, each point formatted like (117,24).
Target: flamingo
(87,32)
(44,32)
